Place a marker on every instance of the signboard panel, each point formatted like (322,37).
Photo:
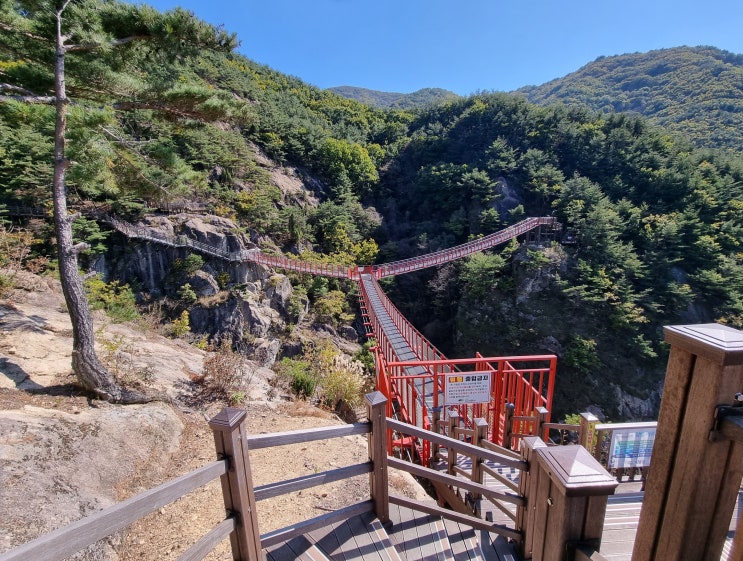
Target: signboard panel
(467,388)
(631,448)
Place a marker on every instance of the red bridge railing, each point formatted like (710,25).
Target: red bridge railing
(416,388)
(456,252)
(324,269)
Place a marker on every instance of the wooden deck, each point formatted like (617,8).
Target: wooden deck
(410,536)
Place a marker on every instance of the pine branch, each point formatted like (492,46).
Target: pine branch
(38,99)
(113,43)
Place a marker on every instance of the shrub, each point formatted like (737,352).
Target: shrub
(116,299)
(226,375)
(298,376)
(182,325)
(186,294)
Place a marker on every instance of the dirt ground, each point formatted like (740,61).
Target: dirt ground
(34,356)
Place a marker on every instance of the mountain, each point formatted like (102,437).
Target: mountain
(696,92)
(390,100)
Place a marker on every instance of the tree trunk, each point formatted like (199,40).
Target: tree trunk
(88,369)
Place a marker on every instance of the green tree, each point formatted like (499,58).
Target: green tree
(76,45)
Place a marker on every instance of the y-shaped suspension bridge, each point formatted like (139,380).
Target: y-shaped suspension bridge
(421,384)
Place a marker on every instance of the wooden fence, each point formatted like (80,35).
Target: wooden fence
(693,483)
(241,522)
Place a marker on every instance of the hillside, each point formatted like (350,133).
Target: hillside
(389,100)
(696,92)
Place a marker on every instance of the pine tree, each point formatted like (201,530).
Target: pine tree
(48,42)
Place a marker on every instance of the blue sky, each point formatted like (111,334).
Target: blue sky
(460,45)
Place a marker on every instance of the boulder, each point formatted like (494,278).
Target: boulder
(57,467)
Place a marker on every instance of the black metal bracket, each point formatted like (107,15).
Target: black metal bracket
(728,421)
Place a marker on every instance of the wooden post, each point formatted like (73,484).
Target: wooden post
(481,434)
(567,501)
(587,432)
(542,413)
(452,455)
(528,483)
(376,408)
(230,441)
(693,481)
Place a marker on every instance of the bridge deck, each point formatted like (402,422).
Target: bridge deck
(401,348)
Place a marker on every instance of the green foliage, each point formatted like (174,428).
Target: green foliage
(186,294)
(692,91)
(481,271)
(581,354)
(366,357)
(332,308)
(301,380)
(89,231)
(189,265)
(181,325)
(223,279)
(115,298)
(418,99)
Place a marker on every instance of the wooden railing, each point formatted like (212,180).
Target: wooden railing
(241,498)
(70,539)
(692,487)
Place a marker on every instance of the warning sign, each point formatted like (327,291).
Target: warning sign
(470,387)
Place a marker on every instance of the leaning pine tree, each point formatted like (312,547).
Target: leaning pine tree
(99,50)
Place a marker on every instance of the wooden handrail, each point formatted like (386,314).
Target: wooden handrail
(289,532)
(212,539)
(453,481)
(256,442)
(463,447)
(279,488)
(473,522)
(70,539)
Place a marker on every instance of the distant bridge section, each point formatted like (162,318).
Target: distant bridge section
(332,269)
(465,249)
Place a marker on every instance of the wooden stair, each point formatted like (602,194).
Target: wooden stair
(410,536)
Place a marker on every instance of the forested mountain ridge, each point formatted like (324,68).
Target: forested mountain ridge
(655,226)
(696,92)
(390,100)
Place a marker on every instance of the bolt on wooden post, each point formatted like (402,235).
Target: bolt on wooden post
(694,475)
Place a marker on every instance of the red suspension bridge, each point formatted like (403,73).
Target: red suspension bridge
(410,371)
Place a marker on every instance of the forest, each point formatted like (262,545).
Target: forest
(652,224)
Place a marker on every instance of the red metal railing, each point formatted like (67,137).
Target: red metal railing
(415,388)
(324,269)
(459,251)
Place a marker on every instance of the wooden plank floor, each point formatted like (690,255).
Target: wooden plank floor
(418,536)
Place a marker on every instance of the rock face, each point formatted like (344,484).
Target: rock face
(57,467)
(256,303)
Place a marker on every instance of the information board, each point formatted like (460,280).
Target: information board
(631,448)
(465,388)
